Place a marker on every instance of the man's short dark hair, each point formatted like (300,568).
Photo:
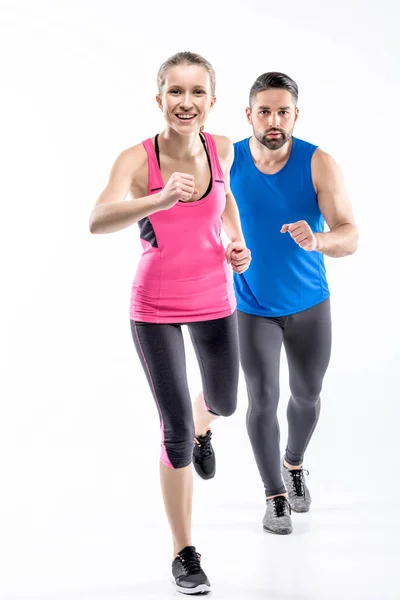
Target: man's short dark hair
(270,81)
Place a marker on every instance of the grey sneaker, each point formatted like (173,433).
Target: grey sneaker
(299,495)
(277,517)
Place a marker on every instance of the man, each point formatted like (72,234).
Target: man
(285,189)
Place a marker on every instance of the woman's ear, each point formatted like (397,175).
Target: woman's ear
(159,101)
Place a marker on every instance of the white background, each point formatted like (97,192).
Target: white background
(80,508)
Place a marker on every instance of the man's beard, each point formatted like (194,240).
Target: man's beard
(273,143)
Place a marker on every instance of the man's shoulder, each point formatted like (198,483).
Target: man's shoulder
(240,156)
(303,144)
(241,143)
(240,148)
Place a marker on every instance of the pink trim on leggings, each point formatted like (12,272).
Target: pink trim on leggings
(164,455)
(205,404)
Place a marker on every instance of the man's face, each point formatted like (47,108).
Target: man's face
(273,116)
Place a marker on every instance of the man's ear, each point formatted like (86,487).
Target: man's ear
(248,114)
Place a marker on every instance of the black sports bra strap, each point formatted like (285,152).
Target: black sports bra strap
(157,151)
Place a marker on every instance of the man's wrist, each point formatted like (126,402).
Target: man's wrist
(319,241)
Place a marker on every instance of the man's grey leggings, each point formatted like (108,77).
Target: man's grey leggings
(306,337)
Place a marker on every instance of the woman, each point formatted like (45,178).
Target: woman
(179,183)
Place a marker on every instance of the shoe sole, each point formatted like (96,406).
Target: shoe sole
(302,510)
(205,477)
(277,532)
(200,589)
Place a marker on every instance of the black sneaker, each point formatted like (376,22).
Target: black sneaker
(189,577)
(203,456)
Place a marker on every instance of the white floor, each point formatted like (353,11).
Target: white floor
(81,516)
(107,538)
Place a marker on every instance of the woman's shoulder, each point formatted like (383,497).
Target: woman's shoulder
(224,145)
(135,154)
(134,159)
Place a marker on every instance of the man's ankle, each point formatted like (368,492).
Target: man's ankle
(285,494)
(292,467)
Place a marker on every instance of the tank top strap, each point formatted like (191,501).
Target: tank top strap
(155,179)
(217,172)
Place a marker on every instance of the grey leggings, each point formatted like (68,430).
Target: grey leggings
(306,337)
(162,353)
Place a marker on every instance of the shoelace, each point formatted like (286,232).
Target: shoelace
(280,504)
(298,481)
(203,443)
(190,561)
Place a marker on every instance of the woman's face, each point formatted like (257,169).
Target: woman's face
(186,98)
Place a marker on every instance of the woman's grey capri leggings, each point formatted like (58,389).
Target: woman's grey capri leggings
(161,351)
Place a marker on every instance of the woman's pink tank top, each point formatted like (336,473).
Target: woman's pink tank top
(183,275)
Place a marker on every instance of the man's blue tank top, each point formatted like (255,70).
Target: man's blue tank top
(282,279)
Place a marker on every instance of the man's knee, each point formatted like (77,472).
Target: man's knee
(306,396)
